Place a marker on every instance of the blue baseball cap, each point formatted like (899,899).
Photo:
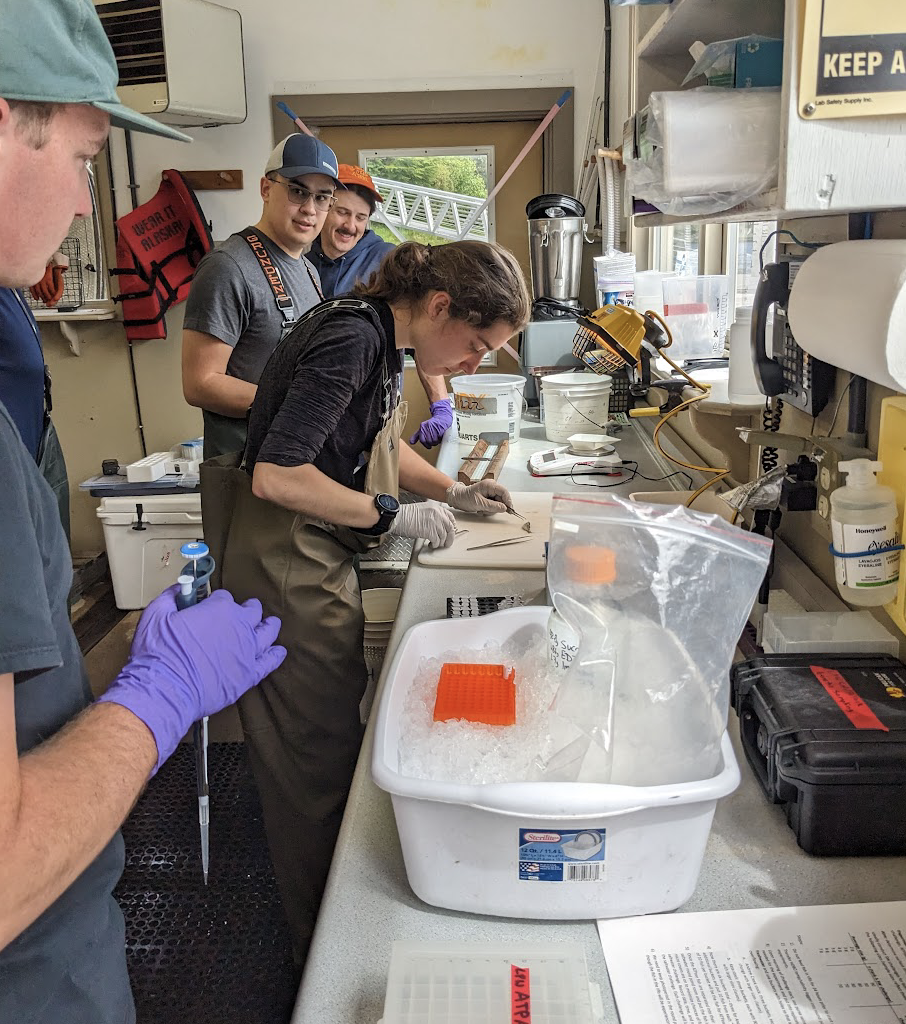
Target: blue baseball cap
(56,51)
(303,154)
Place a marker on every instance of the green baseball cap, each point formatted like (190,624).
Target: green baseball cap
(56,51)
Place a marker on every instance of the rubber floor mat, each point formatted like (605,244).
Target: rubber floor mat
(207,955)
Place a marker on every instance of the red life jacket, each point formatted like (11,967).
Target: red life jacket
(158,247)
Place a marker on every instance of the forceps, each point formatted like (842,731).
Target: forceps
(500,543)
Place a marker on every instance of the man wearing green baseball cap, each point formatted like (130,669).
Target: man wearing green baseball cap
(70,771)
(57,53)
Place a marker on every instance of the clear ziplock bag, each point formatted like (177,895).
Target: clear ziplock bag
(659,596)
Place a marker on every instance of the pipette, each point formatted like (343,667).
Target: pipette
(194,586)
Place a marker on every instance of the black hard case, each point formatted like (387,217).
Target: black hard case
(844,788)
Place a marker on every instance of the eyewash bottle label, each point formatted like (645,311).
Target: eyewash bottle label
(554,856)
(865,528)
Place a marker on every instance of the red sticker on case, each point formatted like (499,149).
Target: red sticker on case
(847,700)
(520,995)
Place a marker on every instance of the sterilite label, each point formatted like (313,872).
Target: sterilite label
(556,856)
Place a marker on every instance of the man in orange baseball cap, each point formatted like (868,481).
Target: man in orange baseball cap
(347,251)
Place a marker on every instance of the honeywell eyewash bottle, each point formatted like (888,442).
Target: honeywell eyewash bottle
(864,519)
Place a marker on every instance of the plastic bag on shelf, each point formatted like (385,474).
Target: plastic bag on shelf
(659,596)
(703,151)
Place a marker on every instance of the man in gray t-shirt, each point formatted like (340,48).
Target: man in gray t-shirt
(238,308)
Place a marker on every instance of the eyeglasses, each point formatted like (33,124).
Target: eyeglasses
(300,196)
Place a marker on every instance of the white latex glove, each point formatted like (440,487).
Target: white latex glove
(434,524)
(484,498)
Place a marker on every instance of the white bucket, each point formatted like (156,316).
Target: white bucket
(462,844)
(574,403)
(488,402)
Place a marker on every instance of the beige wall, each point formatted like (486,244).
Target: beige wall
(95,411)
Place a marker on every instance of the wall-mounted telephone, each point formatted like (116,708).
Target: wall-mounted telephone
(790,372)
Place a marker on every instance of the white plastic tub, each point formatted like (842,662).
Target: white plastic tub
(574,403)
(497,849)
(487,402)
(145,561)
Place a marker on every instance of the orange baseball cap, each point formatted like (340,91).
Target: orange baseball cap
(350,174)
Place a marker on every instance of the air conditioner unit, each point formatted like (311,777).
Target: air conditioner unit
(179,60)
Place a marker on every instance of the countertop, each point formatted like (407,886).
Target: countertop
(752,859)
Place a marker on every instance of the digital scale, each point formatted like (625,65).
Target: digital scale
(585,453)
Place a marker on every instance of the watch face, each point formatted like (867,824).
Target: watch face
(387,503)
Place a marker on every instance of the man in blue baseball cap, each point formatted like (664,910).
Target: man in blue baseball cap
(71,770)
(248,292)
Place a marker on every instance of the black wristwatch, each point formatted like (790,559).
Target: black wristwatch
(387,507)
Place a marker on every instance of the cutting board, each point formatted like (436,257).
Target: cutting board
(484,529)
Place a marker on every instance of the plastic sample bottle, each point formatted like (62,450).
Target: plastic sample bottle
(742,387)
(585,566)
(864,518)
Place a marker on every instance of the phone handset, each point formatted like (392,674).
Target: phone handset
(773,286)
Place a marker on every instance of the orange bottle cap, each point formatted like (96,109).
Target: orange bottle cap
(587,564)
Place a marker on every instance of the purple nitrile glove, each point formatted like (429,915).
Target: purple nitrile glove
(190,663)
(431,431)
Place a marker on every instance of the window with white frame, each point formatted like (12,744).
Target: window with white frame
(675,248)
(747,246)
(433,194)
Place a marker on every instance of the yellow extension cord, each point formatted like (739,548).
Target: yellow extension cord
(719,474)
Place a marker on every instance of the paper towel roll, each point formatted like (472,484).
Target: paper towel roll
(848,307)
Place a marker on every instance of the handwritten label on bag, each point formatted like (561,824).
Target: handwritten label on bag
(520,995)
(847,700)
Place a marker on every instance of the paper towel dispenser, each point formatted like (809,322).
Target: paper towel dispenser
(847,306)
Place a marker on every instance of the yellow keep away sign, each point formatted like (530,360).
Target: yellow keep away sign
(853,58)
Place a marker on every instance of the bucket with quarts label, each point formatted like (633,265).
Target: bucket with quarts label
(574,403)
(487,402)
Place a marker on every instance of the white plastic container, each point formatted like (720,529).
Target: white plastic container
(574,403)
(481,983)
(649,290)
(742,387)
(487,402)
(498,849)
(864,518)
(143,562)
(826,632)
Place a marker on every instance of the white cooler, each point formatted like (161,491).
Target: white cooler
(144,561)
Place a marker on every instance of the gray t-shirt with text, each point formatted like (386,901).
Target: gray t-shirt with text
(232,300)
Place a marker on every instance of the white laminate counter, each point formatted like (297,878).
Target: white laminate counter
(752,859)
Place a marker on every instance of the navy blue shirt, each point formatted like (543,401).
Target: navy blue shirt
(21,368)
(338,276)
